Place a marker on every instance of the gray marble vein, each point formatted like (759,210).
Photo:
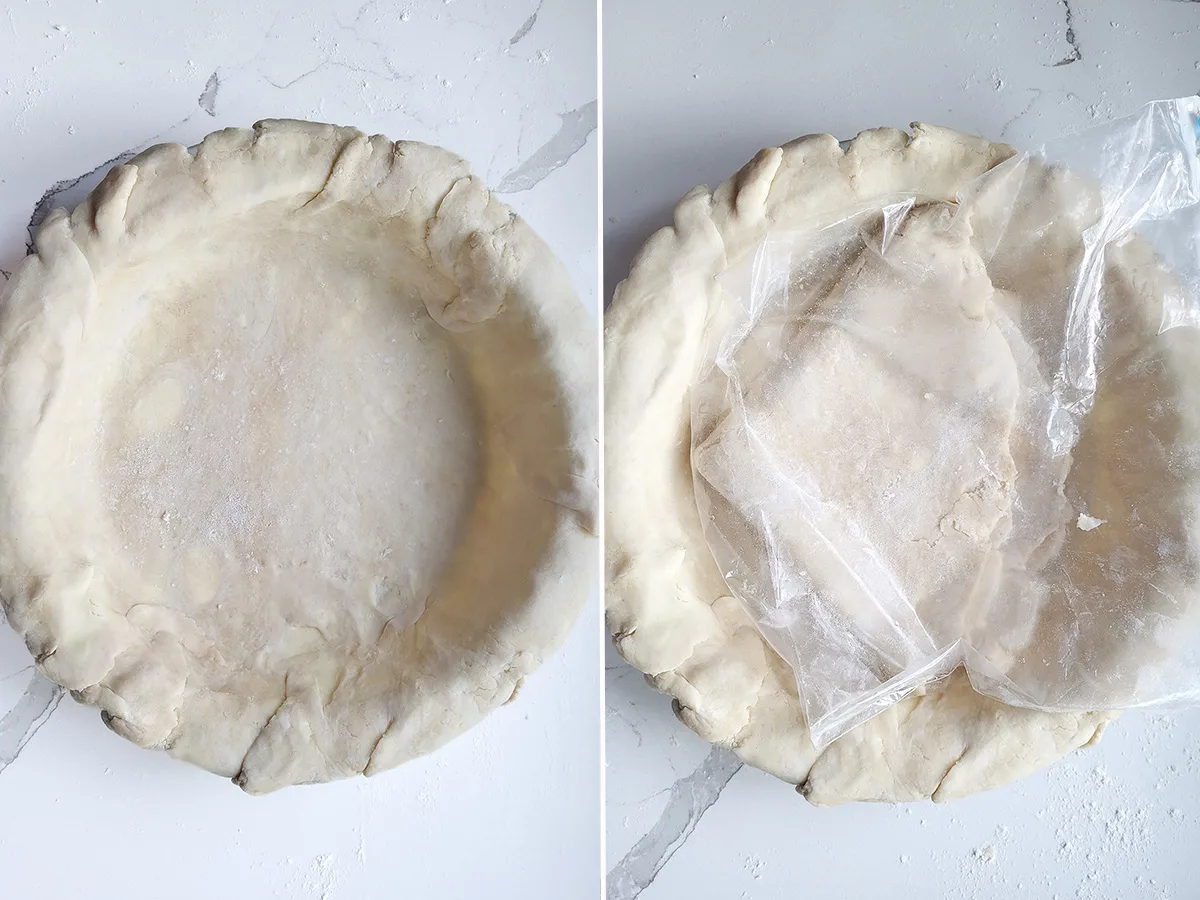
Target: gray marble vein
(329,59)
(691,796)
(1037,95)
(577,126)
(22,722)
(1075,54)
(208,97)
(527,26)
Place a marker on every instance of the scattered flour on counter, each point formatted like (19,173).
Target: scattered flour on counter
(362,847)
(322,878)
(1096,832)
(754,867)
(1109,827)
(319,880)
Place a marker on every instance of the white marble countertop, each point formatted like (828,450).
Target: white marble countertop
(691,91)
(510,809)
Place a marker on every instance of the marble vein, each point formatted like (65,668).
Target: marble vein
(612,712)
(527,26)
(1075,55)
(334,58)
(22,722)
(1037,95)
(577,126)
(691,796)
(208,97)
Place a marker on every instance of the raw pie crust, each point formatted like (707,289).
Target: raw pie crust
(667,605)
(297,451)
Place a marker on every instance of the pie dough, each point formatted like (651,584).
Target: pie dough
(297,451)
(668,606)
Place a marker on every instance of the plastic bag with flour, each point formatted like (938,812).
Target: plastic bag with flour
(933,434)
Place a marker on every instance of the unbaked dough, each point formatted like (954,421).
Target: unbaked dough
(668,606)
(297,451)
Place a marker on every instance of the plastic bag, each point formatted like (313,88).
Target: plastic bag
(937,434)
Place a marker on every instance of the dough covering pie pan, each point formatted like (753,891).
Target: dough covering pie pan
(297,451)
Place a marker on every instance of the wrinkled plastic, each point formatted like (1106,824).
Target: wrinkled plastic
(934,434)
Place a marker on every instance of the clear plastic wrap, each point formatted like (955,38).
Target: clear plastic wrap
(934,434)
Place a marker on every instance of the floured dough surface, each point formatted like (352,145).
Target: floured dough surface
(267,359)
(840,420)
(298,469)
